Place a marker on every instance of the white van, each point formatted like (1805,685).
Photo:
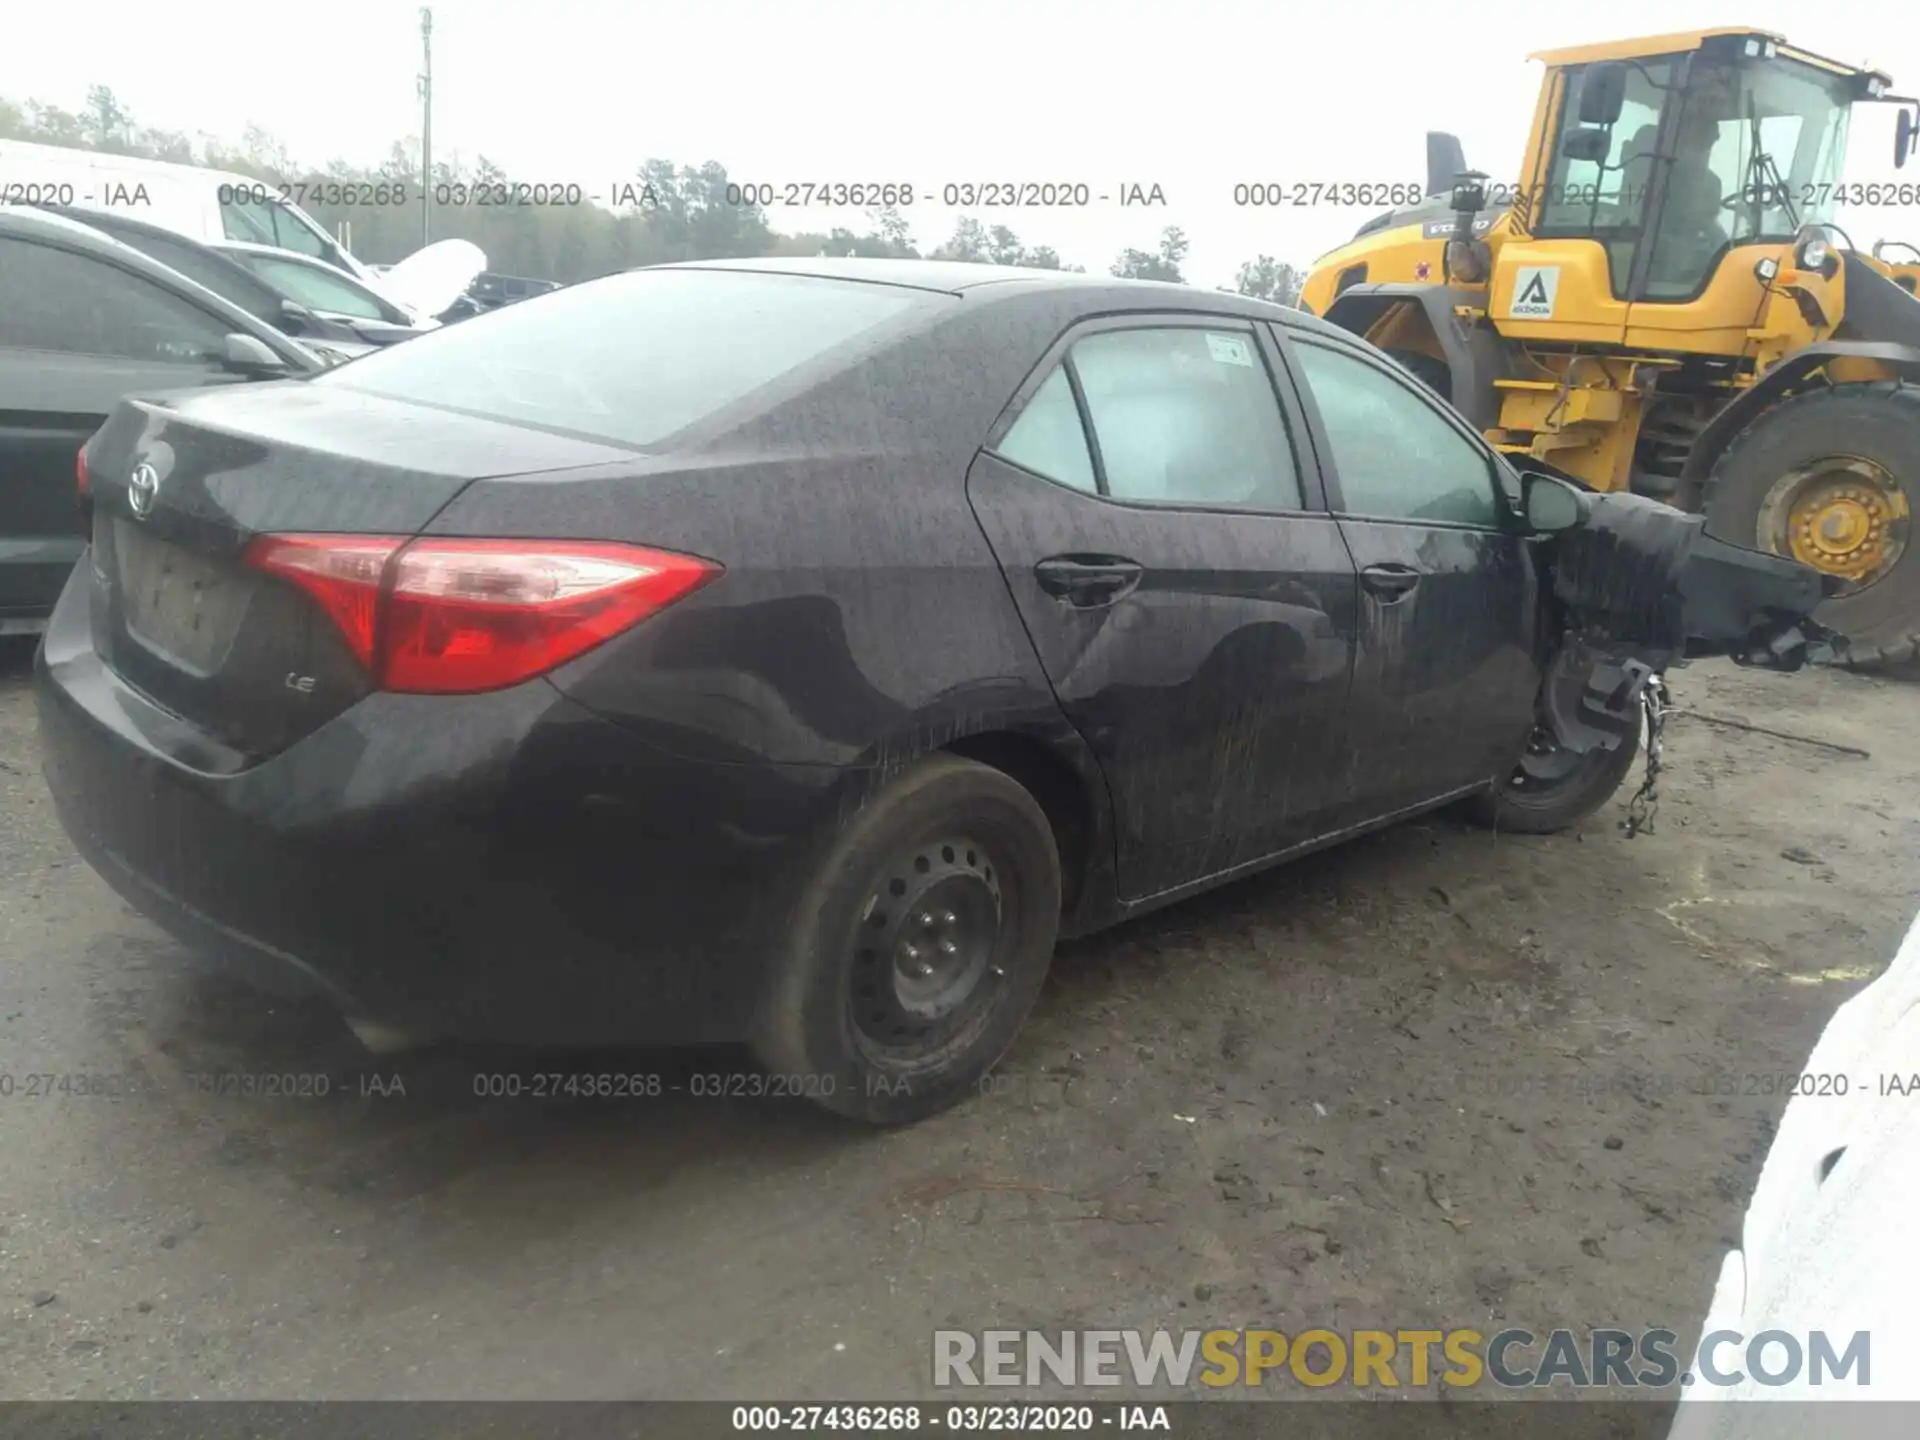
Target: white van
(212,206)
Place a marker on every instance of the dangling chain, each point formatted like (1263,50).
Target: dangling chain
(1646,800)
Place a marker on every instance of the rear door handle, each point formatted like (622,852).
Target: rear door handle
(1088,580)
(1389,582)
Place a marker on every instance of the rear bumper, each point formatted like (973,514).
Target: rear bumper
(507,867)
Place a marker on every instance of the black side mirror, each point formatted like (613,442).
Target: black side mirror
(1593,145)
(1603,93)
(1550,505)
(296,319)
(1445,159)
(250,356)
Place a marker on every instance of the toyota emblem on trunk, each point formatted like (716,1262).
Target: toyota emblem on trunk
(143,487)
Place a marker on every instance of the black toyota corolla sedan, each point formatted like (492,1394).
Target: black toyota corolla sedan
(790,651)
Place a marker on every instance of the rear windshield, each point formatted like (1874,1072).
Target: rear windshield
(632,358)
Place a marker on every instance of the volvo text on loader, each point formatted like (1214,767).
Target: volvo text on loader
(1662,303)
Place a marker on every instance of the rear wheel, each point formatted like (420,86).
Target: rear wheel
(918,948)
(1551,788)
(1832,478)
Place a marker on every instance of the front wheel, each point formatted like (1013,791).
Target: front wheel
(1832,478)
(918,946)
(1551,788)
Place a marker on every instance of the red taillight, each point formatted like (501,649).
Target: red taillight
(341,572)
(444,617)
(80,482)
(466,615)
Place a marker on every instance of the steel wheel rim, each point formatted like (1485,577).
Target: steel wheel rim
(1842,515)
(927,949)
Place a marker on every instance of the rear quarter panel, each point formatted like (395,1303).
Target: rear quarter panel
(862,619)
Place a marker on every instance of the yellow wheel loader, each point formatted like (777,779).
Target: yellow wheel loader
(1660,303)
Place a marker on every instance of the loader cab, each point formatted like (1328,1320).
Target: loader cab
(1674,161)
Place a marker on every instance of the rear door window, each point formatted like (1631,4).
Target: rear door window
(1187,416)
(633,358)
(54,299)
(1048,438)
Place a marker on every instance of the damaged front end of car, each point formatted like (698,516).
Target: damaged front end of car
(1638,587)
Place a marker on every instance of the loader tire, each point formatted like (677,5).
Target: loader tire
(1877,423)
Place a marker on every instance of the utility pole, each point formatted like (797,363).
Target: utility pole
(426,125)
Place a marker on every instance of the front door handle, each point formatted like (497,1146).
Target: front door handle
(1088,580)
(1389,582)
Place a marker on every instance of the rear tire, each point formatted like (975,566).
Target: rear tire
(1525,805)
(1879,423)
(918,947)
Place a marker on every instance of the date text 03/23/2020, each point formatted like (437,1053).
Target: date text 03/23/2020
(959,1419)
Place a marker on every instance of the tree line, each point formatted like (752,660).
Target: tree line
(666,211)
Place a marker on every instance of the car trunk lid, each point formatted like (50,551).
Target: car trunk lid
(182,486)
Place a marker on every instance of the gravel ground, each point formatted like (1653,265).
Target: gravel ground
(1436,1077)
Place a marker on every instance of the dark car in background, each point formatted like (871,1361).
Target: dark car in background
(490,290)
(85,320)
(790,652)
(333,340)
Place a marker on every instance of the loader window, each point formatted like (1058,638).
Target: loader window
(1759,152)
(1755,150)
(1607,197)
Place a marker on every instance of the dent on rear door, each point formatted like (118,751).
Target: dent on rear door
(1213,693)
(1640,585)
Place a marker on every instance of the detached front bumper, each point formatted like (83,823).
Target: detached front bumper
(507,867)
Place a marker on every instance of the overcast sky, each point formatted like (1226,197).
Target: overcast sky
(1192,95)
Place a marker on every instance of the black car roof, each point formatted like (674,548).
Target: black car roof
(29,222)
(962,277)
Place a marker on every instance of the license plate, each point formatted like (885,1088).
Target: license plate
(180,604)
